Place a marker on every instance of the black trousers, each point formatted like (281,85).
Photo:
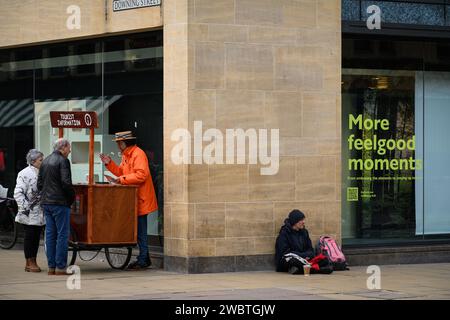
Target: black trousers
(31,240)
(285,265)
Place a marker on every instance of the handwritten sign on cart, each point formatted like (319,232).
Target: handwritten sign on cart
(74,119)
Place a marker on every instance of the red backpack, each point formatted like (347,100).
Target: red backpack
(329,248)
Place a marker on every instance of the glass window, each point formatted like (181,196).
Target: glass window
(69,79)
(16,115)
(133,101)
(384,179)
(394,173)
(120,78)
(433,116)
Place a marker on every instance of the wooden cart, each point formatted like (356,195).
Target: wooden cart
(103,216)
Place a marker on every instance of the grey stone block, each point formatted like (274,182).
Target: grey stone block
(398,255)
(219,264)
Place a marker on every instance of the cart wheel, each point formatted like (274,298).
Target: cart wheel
(73,247)
(88,255)
(118,258)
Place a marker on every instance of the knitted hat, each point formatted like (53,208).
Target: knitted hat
(295,216)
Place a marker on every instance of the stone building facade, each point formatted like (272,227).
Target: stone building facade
(273,64)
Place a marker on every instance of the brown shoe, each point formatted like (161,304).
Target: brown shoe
(135,266)
(33,267)
(51,271)
(60,272)
(27,265)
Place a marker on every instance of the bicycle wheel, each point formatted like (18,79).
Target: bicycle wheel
(118,258)
(8,230)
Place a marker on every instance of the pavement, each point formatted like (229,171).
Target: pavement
(98,281)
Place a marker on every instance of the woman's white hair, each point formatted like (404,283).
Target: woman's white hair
(60,143)
(33,155)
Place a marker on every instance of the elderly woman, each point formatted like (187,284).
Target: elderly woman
(30,213)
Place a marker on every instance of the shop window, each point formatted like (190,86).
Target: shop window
(406,84)
(120,78)
(384,204)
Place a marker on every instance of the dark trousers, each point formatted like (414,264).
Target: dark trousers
(142,240)
(31,240)
(57,219)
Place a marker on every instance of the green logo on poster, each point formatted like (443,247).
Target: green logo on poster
(352,194)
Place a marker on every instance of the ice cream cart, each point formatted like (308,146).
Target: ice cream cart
(103,216)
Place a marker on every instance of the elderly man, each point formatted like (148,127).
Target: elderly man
(57,195)
(134,170)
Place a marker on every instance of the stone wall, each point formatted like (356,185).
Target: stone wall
(41,21)
(247,64)
(251,64)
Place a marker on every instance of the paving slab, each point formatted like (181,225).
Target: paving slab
(98,282)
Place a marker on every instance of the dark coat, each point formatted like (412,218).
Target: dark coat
(289,240)
(55,181)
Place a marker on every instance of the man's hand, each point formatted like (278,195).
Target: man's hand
(111,179)
(105,159)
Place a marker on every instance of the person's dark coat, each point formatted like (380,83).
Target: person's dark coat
(55,181)
(290,240)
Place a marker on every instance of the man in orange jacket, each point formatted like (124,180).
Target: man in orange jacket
(134,170)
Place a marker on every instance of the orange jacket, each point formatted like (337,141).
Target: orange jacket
(134,170)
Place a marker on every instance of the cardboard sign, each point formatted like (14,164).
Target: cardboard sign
(75,119)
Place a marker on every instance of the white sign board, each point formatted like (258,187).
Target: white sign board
(120,5)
